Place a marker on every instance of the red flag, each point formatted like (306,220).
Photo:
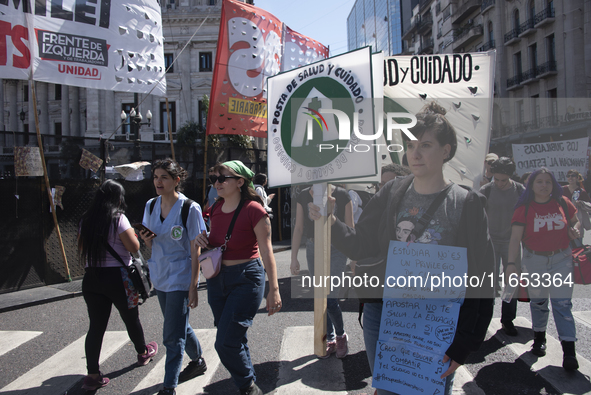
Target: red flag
(299,50)
(249,50)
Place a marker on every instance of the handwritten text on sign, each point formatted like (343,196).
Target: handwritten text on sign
(418,323)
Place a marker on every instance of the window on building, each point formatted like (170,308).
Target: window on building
(211,2)
(532,9)
(517,69)
(168,59)
(164,118)
(533,58)
(491,36)
(126,127)
(519,112)
(26,136)
(552,94)
(551,48)
(202,114)
(516,19)
(205,61)
(25,93)
(57,129)
(58,92)
(535,110)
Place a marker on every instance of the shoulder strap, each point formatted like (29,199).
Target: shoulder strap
(185,211)
(152,204)
(486,190)
(428,215)
(114,253)
(231,227)
(562,203)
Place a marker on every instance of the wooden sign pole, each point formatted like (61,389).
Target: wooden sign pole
(321,268)
(47,185)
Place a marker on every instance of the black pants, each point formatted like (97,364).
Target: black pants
(103,287)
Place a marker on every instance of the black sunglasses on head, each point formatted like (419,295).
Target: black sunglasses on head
(221,178)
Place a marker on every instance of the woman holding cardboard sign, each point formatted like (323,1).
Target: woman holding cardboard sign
(458,220)
(236,292)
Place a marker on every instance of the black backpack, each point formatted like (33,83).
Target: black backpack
(184,210)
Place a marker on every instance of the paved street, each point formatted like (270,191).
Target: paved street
(42,352)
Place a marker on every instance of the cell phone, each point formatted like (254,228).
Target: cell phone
(141,227)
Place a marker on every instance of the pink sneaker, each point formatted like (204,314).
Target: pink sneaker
(342,347)
(143,359)
(331,348)
(92,384)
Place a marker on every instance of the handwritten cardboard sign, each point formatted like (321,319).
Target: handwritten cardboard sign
(418,322)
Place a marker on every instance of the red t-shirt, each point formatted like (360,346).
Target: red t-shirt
(546,228)
(243,242)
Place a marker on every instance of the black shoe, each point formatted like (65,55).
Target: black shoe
(193,369)
(252,390)
(167,391)
(509,328)
(539,346)
(569,361)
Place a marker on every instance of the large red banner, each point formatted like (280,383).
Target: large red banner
(250,49)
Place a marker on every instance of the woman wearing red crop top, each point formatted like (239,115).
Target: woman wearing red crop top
(545,229)
(235,294)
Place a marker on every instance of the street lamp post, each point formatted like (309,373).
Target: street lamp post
(135,122)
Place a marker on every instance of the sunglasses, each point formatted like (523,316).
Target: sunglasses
(571,175)
(221,178)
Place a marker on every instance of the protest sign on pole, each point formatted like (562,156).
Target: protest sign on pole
(460,83)
(318,114)
(558,156)
(102,45)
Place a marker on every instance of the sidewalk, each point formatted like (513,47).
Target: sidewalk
(51,293)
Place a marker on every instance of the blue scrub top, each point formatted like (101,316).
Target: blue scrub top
(170,263)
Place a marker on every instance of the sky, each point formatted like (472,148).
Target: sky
(321,20)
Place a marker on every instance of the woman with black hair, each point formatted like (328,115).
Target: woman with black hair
(545,221)
(174,269)
(105,281)
(460,221)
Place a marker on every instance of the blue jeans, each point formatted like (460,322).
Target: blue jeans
(234,296)
(334,316)
(178,336)
(508,310)
(558,266)
(372,315)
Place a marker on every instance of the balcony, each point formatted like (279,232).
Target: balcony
(487,5)
(426,46)
(465,10)
(527,28)
(512,37)
(466,35)
(514,82)
(487,46)
(438,8)
(426,24)
(547,69)
(544,17)
(418,24)
(529,76)
(423,4)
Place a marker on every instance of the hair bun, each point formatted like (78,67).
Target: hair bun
(434,108)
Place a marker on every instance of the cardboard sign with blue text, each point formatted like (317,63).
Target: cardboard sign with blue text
(419,319)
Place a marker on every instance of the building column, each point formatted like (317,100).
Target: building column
(112,116)
(92,113)
(66,131)
(43,107)
(146,132)
(75,118)
(156,114)
(13,120)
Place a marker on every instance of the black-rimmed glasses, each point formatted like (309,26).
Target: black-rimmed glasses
(221,178)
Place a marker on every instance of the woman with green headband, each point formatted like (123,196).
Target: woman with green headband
(235,294)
